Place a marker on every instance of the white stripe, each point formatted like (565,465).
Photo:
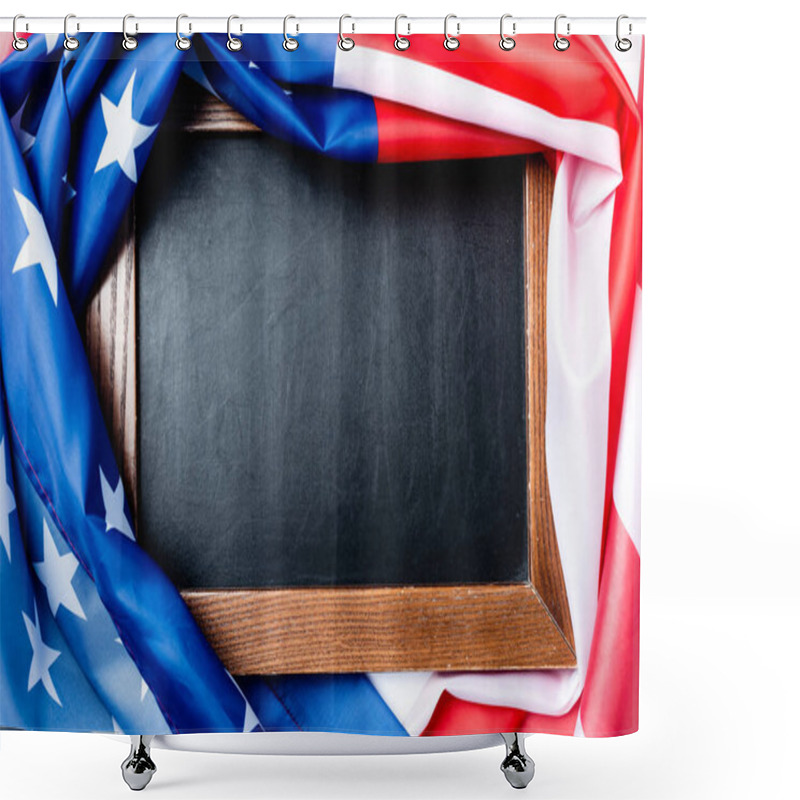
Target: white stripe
(407,696)
(628,473)
(419,85)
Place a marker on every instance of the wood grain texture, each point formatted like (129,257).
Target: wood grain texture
(111,347)
(195,110)
(328,630)
(546,573)
(497,627)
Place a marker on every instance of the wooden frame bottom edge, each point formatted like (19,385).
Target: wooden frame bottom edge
(380,629)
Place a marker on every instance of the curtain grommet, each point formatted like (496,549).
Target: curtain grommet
(290,44)
(401,43)
(70,42)
(623,44)
(345,42)
(18,43)
(561,44)
(128,42)
(507,42)
(181,41)
(451,42)
(233,44)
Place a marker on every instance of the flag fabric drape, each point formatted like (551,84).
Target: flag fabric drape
(93,635)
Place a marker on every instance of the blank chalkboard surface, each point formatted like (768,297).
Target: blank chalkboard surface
(331,367)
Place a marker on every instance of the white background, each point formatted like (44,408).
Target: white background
(721,537)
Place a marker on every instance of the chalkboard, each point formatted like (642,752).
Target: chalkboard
(331,367)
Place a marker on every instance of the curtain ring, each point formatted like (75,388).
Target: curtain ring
(70,42)
(233,44)
(128,42)
(401,42)
(289,43)
(18,42)
(181,42)
(623,45)
(560,42)
(506,42)
(451,42)
(345,42)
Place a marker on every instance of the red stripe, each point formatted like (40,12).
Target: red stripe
(533,71)
(625,263)
(411,134)
(610,702)
(5,44)
(454,717)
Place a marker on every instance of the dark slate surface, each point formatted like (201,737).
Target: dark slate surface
(331,367)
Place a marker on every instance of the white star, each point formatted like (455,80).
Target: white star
(55,573)
(253,65)
(117,728)
(51,41)
(114,502)
(123,133)
(36,249)
(145,689)
(250,719)
(43,657)
(7,504)
(24,139)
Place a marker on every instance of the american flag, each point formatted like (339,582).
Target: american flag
(93,635)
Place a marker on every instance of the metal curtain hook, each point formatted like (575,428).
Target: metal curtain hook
(623,45)
(181,42)
(233,44)
(129,42)
(18,43)
(70,42)
(288,42)
(560,42)
(451,42)
(345,42)
(401,42)
(506,42)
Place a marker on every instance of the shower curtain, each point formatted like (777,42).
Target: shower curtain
(93,634)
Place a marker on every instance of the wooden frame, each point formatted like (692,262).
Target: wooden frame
(365,629)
